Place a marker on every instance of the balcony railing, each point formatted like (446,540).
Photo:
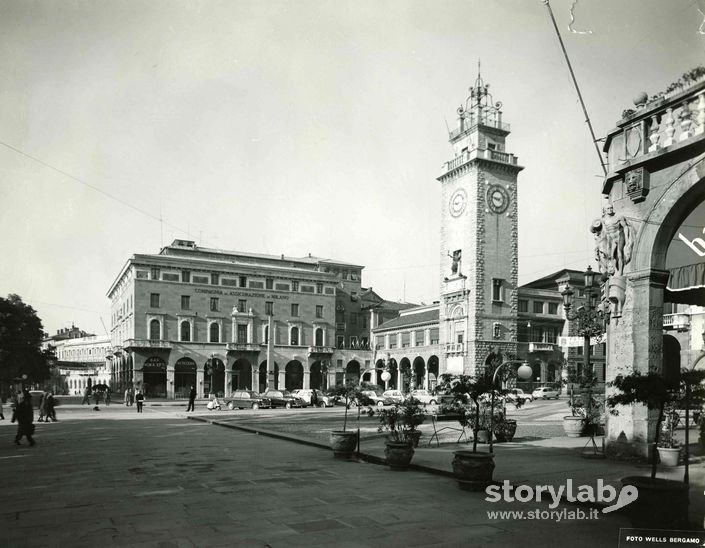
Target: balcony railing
(242,347)
(455,348)
(488,154)
(146,343)
(321,350)
(679,322)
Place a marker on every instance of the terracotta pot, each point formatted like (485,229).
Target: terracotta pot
(669,456)
(343,443)
(506,430)
(661,504)
(573,426)
(473,470)
(399,454)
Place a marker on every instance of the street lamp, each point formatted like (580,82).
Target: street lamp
(524,371)
(590,323)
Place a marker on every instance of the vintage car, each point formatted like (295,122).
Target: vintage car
(247,399)
(284,398)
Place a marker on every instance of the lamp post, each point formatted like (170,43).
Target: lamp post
(211,367)
(590,323)
(524,371)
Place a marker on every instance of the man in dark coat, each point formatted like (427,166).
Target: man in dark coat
(24,415)
(191,400)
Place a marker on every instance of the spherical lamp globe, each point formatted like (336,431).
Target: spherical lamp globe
(524,371)
(386,376)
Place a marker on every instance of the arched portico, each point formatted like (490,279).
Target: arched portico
(242,374)
(294,375)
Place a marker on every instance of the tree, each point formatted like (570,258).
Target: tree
(21,335)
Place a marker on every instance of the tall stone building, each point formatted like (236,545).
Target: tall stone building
(479,249)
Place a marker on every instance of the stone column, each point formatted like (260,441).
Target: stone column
(281,379)
(199,381)
(635,342)
(307,376)
(255,379)
(425,375)
(544,372)
(170,395)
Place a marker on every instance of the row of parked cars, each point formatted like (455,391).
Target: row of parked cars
(304,397)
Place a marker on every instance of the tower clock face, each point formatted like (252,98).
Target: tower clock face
(497,199)
(457,202)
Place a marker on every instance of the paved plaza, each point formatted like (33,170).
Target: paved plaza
(118,478)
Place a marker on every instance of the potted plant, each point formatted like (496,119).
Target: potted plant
(504,428)
(400,422)
(344,442)
(662,503)
(669,448)
(472,469)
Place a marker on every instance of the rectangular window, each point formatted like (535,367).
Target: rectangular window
(269,283)
(354,342)
(435,337)
(497,295)
(243,281)
(154,300)
(214,304)
(553,308)
(214,279)
(538,307)
(523,305)
(185,302)
(340,340)
(269,308)
(319,288)
(242,305)
(319,311)
(242,334)
(294,286)
(353,319)
(154,274)
(294,309)
(185,276)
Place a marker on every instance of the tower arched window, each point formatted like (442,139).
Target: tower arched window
(185,331)
(215,332)
(154,330)
(294,338)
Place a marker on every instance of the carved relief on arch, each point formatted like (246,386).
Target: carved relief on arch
(456,311)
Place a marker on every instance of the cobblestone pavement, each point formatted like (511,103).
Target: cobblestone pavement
(118,478)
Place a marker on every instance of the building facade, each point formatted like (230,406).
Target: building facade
(221,320)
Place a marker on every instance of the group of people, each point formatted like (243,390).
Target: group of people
(47,407)
(131,398)
(23,415)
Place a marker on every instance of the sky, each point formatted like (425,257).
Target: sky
(299,127)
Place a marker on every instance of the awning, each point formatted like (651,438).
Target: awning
(686,284)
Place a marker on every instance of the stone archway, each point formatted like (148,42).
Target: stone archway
(154,377)
(352,371)
(242,374)
(214,377)
(264,382)
(293,375)
(184,377)
(418,377)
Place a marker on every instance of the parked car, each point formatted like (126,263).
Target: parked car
(424,396)
(377,399)
(517,394)
(306,393)
(247,399)
(545,392)
(395,395)
(284,398)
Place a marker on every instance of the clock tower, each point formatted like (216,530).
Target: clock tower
(479,230)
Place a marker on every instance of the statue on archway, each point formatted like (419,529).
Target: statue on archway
(613,242)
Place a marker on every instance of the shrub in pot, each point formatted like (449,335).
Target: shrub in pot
(344,442)
(669,449)
(661,503)
(400,422)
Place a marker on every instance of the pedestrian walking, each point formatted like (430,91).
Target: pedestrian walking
(51,404)
(24,415)
(314,398)
(127,397)
(139,398)
(42,407)
(107,396)
(86,396)
(132,396)
(191,400)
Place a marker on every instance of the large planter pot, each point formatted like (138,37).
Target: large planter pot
(473,470)
(505,431)
(669,456)
(343,443)
(573,426)
(661,504)
(399,454)
(483,436)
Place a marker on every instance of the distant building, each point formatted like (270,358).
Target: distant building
(203,317)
